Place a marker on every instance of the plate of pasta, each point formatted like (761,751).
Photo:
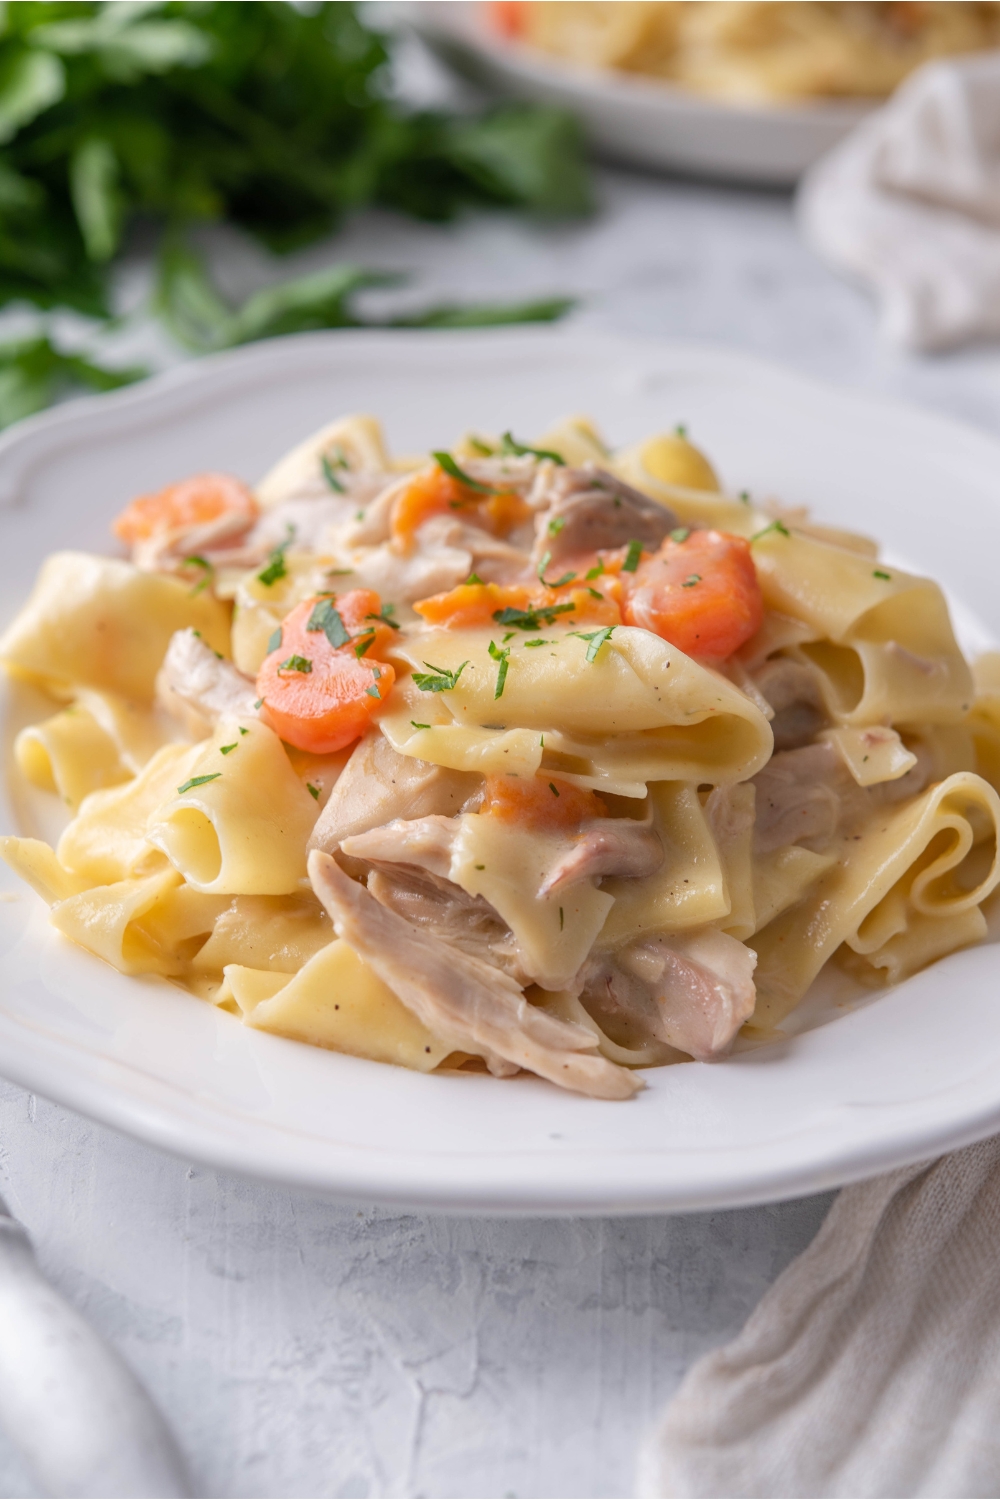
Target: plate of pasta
(503,772)
(749,91)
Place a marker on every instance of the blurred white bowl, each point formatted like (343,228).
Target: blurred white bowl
(636,119)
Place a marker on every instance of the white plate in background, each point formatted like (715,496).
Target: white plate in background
(905,1075)
(639,119)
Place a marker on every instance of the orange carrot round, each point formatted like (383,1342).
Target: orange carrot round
(473,604)
(191,502)
(433,492)
(325,678)
(700,593)
(540,801)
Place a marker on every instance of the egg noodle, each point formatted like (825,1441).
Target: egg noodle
(519,755)
(755,52)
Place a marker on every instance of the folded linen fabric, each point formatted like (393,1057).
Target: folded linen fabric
(909,203)
(871,1367)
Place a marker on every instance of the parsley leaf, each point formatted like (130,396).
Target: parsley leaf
(439,679)
(681,534)
(632,557)
(208,571)
(596,639)
(778,526)
(385,616)
(326,617)
(448,464)
(197,781)
(508,444)
(691,580)
(225,749)
(531,619)
(276,562)
(295,664)
(503,658)
(313,791)
(330,466)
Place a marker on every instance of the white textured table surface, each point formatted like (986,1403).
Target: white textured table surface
(301,1348)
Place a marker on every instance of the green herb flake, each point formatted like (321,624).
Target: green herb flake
(384,616)
(259,703)
(473,578)
(478,446)
(275,568)
(681,430)
(691,580)
(509,444)
(596,639)
(208,571)
(197,781)
(778,526)
(372,692)
(745,496)
(330,467)
(364,640)
(225,749)
(439,679)
(553,789)
(242,730)
(295,664)
(313,791)
(447,463)
(632,557)
(594,572)
(532,619)
(556,525)
(594,593)
(419,726)
(562,919)
(274,641)
(879,573)
(327,618)
(480,867)
(680,535)
(539,642)
(502,657)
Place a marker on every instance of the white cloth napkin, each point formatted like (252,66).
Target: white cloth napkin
(871,1367)
(909,203)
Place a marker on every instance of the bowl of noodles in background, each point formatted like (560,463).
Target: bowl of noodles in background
(752,92)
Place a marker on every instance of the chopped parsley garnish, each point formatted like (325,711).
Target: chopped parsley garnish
(593,593)
(419,726)
(242,730)
(681,534)
(197,781)
(532,619)
(508,636)
(364,640)
(473,578)
(691,580)
(208,571)
(330,466)
(594,572)
(539,642)
(225,749)
(509,444)
(274,641)
(596,639)
(553,789)
(681,430)
(478,446)
(503,658)
(259,703)
(556,525)
(556,583)
(745,496)
(328,619)
(373,692)
(295,664)
(385,616)
(276,563)
(878,573)
(562,919)
(448,464)
(632,557)
(313,791)
(778,526)
(438,679)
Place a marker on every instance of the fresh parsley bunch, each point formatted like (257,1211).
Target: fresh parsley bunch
(270,116)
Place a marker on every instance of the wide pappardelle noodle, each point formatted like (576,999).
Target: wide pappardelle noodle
(519,756)
(752,51)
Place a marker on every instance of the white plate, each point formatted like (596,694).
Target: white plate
(905,1075)
(639,119)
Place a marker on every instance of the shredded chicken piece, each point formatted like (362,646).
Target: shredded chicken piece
(468,1004)
(199,688)
(596,512)
(425,842)
(607,846)
(448,913)
(379,786)
(792,690)
(809,797)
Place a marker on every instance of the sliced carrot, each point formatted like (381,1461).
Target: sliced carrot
(475,604)
(508,16)
(191,502)
(319,695)
(540,802)
(700,593)
(432,492)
